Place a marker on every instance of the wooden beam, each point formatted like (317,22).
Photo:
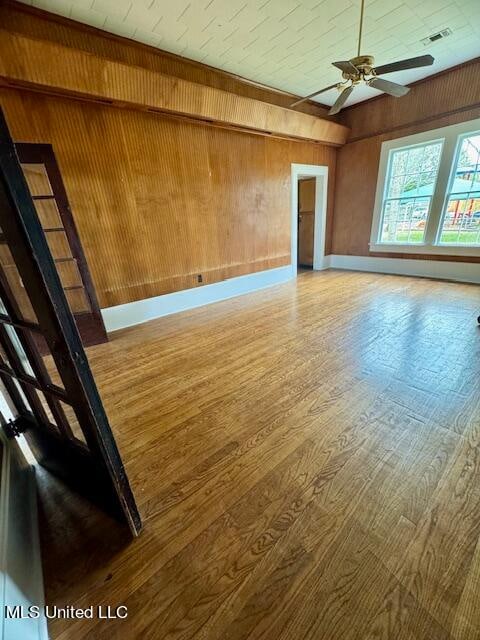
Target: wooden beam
(40,64)
(38,23)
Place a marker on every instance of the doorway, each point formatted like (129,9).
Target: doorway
(309,186)
(306,223)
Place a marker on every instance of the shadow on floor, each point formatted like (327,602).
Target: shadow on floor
(76,537)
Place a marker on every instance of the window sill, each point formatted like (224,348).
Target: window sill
(425,249)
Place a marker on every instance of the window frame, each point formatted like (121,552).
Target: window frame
(452,137)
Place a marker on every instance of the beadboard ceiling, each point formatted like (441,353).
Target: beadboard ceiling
(289,44)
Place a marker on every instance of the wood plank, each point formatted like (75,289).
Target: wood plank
(37,23)
(77,73)
(159,201)
(305,461)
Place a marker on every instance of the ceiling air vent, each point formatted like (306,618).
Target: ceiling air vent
(436,36)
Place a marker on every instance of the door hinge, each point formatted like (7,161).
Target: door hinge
(14,428)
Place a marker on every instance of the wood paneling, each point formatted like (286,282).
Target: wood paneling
(357,164)
(159,201)
(306,195)
(90,76)
(39,24)
(306,464)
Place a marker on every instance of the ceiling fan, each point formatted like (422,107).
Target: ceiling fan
(361,69)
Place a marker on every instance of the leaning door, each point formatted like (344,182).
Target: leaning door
(48,193)
(56,402)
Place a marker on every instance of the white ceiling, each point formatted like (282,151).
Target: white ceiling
(289,44)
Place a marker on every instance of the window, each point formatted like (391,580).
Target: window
(461,219)
(428,193)
(412,174)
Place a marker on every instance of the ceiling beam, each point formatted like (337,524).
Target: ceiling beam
(32,21)
(48,66)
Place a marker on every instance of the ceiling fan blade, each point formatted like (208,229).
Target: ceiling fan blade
(332,86)
(340,101)
(410,63)
(345,65)
(392,88)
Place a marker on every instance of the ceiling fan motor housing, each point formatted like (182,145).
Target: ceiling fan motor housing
(364,64)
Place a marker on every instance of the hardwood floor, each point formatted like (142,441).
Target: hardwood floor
(307,463)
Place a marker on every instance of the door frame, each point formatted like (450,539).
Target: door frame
(20,558)
(320,172)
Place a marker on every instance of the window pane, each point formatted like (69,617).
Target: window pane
(399,162)
(58,243)
(51,368)
(73,422)
(467,177)
(461,221)
(17,345)
(415,159)
(404,221)
(4,358)
(396,186)
(48,213)
(46,408)
(37,179)
(69,273)
(7,407)
(422,185)
(461,224)
(408,194)
(22,395)
(77,300)
(16,285)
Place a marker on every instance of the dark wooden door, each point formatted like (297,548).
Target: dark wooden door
(54,396)
(46,187)
(306,221)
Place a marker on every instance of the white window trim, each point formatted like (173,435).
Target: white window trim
(450,136)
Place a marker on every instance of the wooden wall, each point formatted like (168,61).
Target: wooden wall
(158,201)
(74,73)
(448,98)
(29,21)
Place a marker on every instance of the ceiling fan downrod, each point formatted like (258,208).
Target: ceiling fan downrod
(361,69)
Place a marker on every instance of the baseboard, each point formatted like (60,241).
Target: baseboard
(132,313)
(437,269)
(21,579)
